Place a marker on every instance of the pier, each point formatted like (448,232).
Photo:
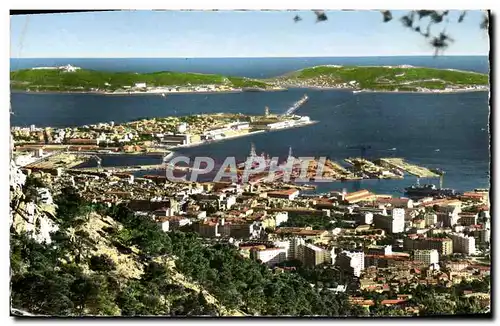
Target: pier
(370,170)
(297,105)
(401,164)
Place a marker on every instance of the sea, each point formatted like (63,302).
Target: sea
(446,131)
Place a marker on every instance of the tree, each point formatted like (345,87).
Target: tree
(102,263)
(44,293)
(467,306)
(91,297)
(423,22)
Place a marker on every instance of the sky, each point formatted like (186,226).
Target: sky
(191,34)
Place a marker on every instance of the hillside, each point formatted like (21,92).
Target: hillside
(380,78)
(68,258)
(384,78)
(87,80)
(105,260)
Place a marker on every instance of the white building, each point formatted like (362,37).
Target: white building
(270,256)
(230,201)
(398,220)
(285,244)
(69,68)
(170,223)
(182,127)
(140,85)
(351,261)
(463,244)
(368,218)
(430,257)
(281,217)
(394,223)
(240,125)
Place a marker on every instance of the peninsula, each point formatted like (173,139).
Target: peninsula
(357,78)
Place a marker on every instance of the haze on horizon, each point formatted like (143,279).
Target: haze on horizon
(218,34)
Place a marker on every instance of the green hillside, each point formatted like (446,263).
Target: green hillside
(85,80)
(382,78)
(353,77)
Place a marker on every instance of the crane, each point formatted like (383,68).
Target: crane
(98,161)
(362,148)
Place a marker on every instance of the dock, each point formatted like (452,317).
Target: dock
(401,164)
(371,170)
(123,168)
(58,160)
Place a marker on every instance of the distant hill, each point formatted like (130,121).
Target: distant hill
(380,78)
(403,78)
(87,80)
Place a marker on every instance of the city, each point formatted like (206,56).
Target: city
(244,177)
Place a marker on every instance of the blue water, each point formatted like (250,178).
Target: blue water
(415,124)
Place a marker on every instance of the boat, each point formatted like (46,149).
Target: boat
(437,171)
(428,190)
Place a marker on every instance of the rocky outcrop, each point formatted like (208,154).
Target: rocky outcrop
(31,215)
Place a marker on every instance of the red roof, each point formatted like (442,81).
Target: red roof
(393,301)
(286,192)
(393,201)
(475,194)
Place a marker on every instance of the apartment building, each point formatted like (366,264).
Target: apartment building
(351,261)
(467,219)
(444,246)
(313,255)
(428,256)
(463,244)
(269,256)
(393,223)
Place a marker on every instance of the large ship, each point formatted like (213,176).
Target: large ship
(428,191)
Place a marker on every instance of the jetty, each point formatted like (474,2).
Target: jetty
(401,164)
(297,105)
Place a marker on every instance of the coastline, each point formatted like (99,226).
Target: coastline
(356,91)
(202,143)
(156,93)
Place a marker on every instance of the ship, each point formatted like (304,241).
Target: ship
(428,190)
(254,162)
(438,171)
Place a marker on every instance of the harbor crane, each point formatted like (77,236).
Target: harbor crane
(98,161)
(362,148)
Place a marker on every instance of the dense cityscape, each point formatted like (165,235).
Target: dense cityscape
(377,253)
